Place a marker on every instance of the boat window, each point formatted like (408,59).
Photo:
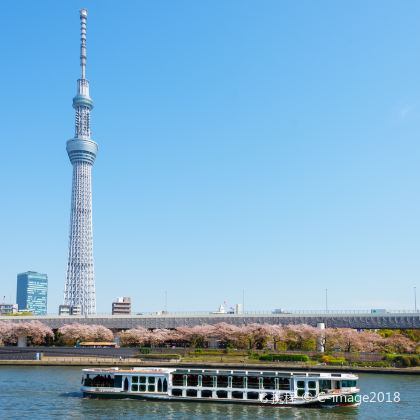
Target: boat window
(300,388)
(269,383)
(252,396)
(253,382)
(348,383)
(324,385)
(142,379)
(221,394)
(284,383)
(100,381)
(142,388)
(192,380)
(177,380)
(134,379)
(165,385)
(151,379)
(134,387)
(151,388)
(237,381)
(206,393)
(191,392)
(159,385)
(311,384)
(117,381)
(207,381)
(237,395)
(222,381)
(177,392)
(229,381)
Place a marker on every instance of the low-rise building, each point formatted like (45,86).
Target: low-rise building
(121,306)
(8,308)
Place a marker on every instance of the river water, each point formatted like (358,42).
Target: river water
(53,393)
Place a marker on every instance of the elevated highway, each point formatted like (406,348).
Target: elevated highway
(332,319)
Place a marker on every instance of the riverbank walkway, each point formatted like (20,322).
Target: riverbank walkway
(135,362)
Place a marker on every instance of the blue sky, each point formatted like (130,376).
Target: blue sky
(270,146)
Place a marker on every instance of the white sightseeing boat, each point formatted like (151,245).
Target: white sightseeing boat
(222,385)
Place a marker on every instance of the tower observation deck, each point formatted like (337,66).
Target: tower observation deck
(79,290)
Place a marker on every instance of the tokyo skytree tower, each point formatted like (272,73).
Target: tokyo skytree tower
(79,291)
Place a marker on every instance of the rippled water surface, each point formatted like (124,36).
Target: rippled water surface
(53,392)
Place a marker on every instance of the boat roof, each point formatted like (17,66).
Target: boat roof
(245,372)
(134,370)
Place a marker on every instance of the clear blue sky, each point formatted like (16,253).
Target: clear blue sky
(271,146)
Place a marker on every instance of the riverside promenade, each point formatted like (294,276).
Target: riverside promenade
(137,362)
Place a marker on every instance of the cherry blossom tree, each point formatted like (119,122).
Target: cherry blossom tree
(101,333)
(371,342)
(6,333)
(301,337)
(230,335)
(198,335)
(158,336)
(71,333)
(134,336)
(36,332)
(398,343)
(277,335)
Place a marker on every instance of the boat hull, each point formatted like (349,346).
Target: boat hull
(330,402)
(344,400)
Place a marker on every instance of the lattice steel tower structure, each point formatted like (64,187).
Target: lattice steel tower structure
(79,291)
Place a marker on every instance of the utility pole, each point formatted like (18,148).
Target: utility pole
(326,300)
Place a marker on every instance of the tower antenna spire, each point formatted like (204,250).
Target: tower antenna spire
(83,57)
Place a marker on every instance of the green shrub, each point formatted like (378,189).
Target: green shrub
(144,350)
(221,352)
(309,345)
(403,361)
(400,360)
(284,357)
(331,360)
(380,364)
